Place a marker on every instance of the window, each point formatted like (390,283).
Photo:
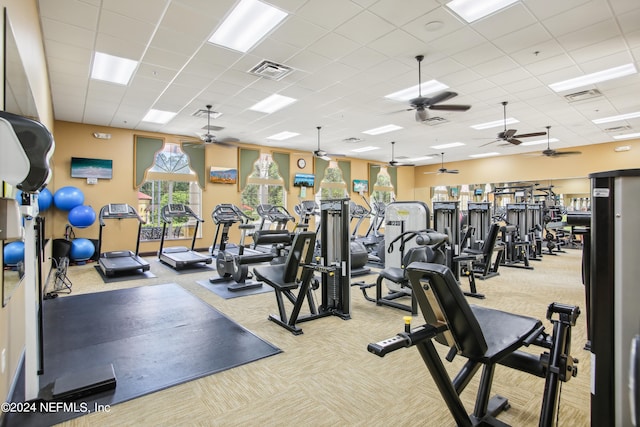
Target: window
(170,180)
(264,185)
(383,188)
(332,185)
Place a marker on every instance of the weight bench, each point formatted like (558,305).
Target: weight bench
(481,263)
(485,337)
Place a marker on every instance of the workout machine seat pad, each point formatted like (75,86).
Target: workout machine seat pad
(395,274)
(272,275)
(503,332)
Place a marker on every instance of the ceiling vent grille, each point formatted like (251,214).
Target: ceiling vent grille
(212,128)
(434,121)
(202,113)
(352,140)
(271,70)
(618,128)
(582,95)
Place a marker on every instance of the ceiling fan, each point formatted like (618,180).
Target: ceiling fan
(422,104)
(443,169)
(320,153)
(509,135)
(549,152)
(208,138)
(393,162)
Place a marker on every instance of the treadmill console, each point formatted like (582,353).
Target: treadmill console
(118,208)
(176,208)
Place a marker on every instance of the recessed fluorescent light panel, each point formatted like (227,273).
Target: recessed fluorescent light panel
(382,129)
(247,23)
(600,76)
(412,92)
(365,149)
(112,69)
(272,103)
(158,116)
(449,145)
(472,10)
(282,136)
(495,124)
(627,136)
(617,118)
(540,141)
(419,159)
(493,153)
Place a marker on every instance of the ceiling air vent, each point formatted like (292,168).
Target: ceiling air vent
(434,121)
(352,140)
(202,113)
(212,128)
(271,70)
(618,128)
(582,95)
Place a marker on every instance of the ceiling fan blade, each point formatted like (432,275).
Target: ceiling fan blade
(491,142)
(450,107)
(514,141)
(566,153)
(335,155)
(441,97)
(507,134)
(454,171)
(529,135)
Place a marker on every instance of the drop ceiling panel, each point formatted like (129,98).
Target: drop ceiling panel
(73,12)
(328,13)
(364,28)
(69,34)
(116,46)
(389,10)
(125,28)
(142,10)
(509,20)
(457,41)
(577,18)
(333,45)
(298,32)
(529,37)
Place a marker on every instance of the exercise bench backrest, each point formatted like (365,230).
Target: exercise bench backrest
(441,301)
(301,253)
(490,241)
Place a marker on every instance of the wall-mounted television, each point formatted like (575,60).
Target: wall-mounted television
(304,180)
(477,192)
(82,167)
(360,185)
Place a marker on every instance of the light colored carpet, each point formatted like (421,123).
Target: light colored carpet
(326,377)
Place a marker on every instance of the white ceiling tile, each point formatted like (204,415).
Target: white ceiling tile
(115,46)
(364,28)
(176,41)
(329,13)
(74,12)
(333,45)
(298,32)
(389,10)
(594,51)
(308,61)
(591,35)
(275,50)
(630,21)
(544,9)
(164,58)
(550,64)
(69,34)
(498,65)
(531,36)
(539,52)
(142,10)
(363,58)
(576,18)
(478,54)
(506,21)
(125,28)
(457,41)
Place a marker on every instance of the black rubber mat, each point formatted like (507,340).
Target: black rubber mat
(221,290)
(121,277)
(155,336)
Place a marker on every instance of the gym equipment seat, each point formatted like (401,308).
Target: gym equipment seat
(485,337)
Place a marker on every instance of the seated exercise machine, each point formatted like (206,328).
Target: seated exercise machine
(298,271)
(428,249)
(485,337)
(125,261)
(180,257)
(483,262)
(232,264)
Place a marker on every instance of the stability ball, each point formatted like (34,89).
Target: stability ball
(14,253)
(45,199)
(67,198)
(82,216)
(81,249)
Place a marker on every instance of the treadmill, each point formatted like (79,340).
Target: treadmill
(180,256)
(120,262)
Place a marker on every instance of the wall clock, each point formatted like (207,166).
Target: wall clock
(302,163)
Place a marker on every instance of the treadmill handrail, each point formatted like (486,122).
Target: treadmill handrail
(131,213)
(168,215)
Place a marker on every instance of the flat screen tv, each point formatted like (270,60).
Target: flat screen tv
(360,185)
(82,167)
(477,192)
(303,180)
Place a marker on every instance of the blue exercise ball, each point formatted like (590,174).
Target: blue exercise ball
(81,249)
(14,253)
(45,199)
(67,198)
(82,216)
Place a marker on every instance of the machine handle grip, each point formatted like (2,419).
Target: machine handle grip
(381,348)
